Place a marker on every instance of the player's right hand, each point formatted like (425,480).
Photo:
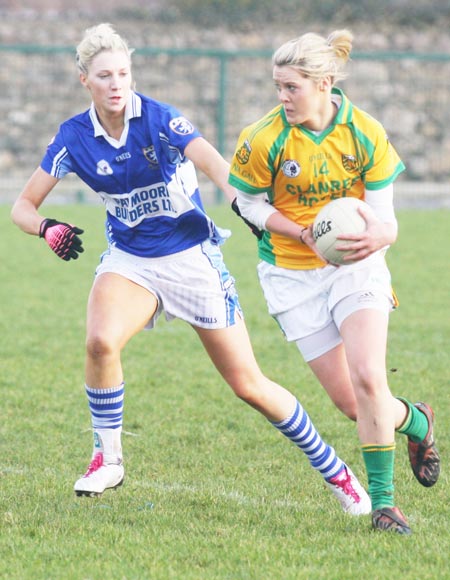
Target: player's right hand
(308,239)
(62,238)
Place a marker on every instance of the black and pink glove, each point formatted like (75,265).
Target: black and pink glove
(62,238)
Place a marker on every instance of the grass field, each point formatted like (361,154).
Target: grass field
(212,491)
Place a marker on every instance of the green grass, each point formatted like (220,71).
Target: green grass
(212,491)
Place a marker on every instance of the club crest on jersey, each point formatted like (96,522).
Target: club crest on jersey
(104,168)
(350,163)
(243,153)
(150,155)
(181,126)
(291,168)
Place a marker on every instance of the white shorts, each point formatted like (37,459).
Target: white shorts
(310,305)
(193,285)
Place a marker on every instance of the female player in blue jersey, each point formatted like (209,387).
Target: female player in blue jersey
(313,147)
(163,255)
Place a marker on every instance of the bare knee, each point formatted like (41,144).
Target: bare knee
(249,387)
(269,398)
(344,399)
(100,346)
(368,381)
(349,410)
(245,390)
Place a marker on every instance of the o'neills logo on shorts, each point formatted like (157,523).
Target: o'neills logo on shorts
(206,319)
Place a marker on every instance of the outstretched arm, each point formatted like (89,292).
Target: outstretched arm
(206,158)
(25,210)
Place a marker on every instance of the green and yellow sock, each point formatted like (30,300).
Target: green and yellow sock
(379,461)
(415,426)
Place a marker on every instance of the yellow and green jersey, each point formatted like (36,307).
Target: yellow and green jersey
(302,171)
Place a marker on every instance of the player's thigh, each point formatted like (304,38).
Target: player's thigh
(231,352)
(118,308)
(364,332)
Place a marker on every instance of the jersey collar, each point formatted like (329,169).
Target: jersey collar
(345,112)
(345,108)
(133,109)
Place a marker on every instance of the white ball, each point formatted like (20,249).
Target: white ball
(339,216)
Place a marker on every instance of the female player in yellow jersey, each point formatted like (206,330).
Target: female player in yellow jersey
(314,147)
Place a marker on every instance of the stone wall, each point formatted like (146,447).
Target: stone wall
(40,89)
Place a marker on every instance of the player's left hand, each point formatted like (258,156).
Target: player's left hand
(377,235)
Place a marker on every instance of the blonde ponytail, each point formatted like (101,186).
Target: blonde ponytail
(317,57)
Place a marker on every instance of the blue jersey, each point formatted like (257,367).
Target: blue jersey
(148,186)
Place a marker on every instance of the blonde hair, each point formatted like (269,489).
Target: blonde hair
(316,57)
(97,39)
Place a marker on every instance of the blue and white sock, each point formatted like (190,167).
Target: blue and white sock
(300,430)
(106,406)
